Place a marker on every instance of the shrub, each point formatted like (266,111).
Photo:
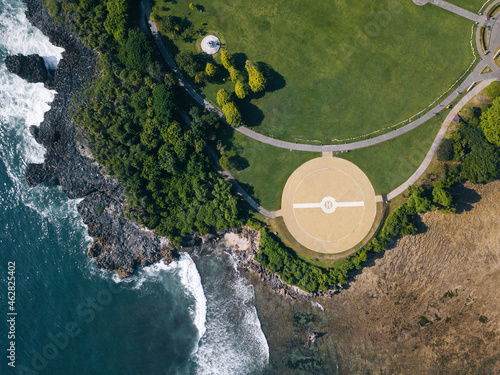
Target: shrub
(223,97)
(227,59)
(233,116)
(256,80)
(211,70)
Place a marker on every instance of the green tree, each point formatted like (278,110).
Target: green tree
(211,70)
(445,151)
(490,123)
(418,200)
(227,59)
(441,196)
(240,90)
(188,62)
(199,78)
(256,79)
(116,21)
(137,53)
(482,164)
(171,26)
(233,116)
(223,97)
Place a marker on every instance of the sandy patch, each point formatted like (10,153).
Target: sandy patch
(237,242)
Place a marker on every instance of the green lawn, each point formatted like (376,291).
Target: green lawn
(472,5)
(268,169)
(391,163)
(345,68)
(387,165)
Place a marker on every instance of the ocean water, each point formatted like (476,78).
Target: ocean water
(192,317)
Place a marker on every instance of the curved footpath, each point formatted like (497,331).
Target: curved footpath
(230,178)
(437,141)
(487,59)
(474,77)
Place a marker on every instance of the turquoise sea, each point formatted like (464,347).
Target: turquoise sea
(193,317)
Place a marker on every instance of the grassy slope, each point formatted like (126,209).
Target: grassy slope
(327,94)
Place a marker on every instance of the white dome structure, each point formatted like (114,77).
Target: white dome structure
(210,44)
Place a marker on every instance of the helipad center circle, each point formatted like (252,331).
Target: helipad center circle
(328,205)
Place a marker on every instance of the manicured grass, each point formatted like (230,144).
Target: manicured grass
(268,169)
(387,165)
(472,5)
(391,163)
(347,70)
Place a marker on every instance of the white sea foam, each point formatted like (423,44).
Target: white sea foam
(24,104)
(234,342)
(19,36)
(189,277)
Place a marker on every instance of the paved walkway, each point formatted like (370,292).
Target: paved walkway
(230,178)
(145,13)
(437,141)
(475,76)
(454,9)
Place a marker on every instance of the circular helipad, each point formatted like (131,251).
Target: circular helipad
(210,44)
(328,205)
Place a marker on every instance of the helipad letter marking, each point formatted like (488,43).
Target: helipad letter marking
(328,205)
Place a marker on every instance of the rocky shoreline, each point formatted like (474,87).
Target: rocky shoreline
(244,243)
(118,244)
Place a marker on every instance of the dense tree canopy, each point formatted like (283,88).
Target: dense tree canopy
(116,21)
(130,115)
(137,52)
(482,164)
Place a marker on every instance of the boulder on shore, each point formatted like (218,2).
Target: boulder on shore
(31,68)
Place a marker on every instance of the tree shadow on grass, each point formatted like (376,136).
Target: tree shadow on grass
(275,81)
(239,163)
(239,60)
(252,115)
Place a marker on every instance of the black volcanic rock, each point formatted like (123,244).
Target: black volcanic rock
(31,68)
(119,244)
